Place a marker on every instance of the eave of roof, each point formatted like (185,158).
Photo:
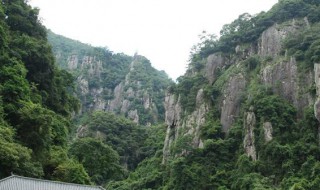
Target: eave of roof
(49,181)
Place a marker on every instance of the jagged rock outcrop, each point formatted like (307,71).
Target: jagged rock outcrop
(115,82)
(232,96)
(172,120)
(276,70)
(133,115)
(116,102)
(73,62)
(267,129)
(189,125)
(249,138)
(317,83)
(271,39)
(282,74)
(215,62)
(283,77)
(317,101)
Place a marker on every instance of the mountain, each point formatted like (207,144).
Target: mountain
(115,82)
(246,113)
(244,116)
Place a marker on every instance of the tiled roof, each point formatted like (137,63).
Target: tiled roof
(15,182)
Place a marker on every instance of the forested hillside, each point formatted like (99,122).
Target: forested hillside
(246,113)
(244,116)
(115,82)
(37,107)
(35,100)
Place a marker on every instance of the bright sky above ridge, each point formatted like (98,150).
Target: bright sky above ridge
(161,30)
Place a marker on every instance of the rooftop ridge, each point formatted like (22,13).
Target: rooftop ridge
(50,181)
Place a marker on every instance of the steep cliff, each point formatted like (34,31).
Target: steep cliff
(122,84)
(231,81)
(251,99)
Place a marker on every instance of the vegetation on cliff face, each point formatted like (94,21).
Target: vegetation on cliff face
(246,103)
(108,81)
(273,139)
(37,103)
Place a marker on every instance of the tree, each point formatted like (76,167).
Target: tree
(99,160)
(72,171)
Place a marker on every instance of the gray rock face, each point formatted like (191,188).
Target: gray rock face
(146,101)
(177,126)
(214,63)
(173,110)
(284,79)
(317,83)
(133,114)
(72,62)
(243,52)
(98,102)
(231,101)
(122,99)
(117,100)
(271,39)
(125,106)
(172,120)
(83,85)
(267,128)
(249,141)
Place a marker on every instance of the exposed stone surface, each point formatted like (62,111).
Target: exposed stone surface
(244,51)
(146,101)
(124,99)
(130,93)
(72,62)
(284,79)
(83,85)
(249,141)
(317,83)
(272,38)
(190,125)
(82,131)
(267,128)
(214,63)
(117,100)
(98,102)
(231,100)
(280,74)
(173,110)
(133,114)
(125,106)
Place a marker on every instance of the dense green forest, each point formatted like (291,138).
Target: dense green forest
(37,104)
(264,80)
(36,101)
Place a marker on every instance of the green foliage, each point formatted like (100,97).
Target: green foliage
(121,134)
(35,96)
(304,46)
(247,28)
(35,104)
(251,63)
(14,157)
(150,173)
(73,172)
(99,160)
(187,88)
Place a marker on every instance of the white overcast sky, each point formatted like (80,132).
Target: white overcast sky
(161,30)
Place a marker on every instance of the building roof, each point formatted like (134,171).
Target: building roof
(15,182)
